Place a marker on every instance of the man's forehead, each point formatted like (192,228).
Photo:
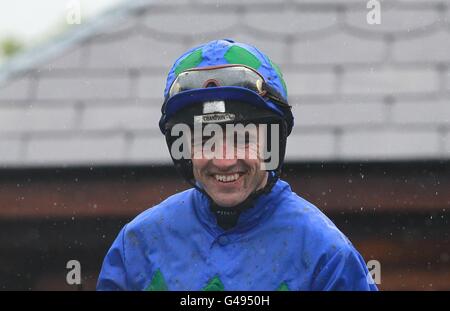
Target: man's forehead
(229,129)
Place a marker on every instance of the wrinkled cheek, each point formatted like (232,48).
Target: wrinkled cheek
(198,167)
(248,152)
(197,153)
(253,152)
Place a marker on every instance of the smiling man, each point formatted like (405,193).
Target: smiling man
(226,120)
(229,180)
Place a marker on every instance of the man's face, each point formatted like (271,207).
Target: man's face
(230,180)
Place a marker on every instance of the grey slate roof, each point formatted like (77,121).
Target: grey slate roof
(359,91)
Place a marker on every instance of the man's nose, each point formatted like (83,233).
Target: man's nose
(227,160)
(224,164)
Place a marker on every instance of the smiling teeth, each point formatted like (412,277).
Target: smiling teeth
(226,178)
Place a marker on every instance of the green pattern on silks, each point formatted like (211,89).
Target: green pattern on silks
(238,55)
(190,61)
(280,75)
(283,287)
(214,285)
(158,283)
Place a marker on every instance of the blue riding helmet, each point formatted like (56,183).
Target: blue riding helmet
(223,52)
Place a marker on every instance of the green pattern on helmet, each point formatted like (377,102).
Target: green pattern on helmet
(238,55)
(280,75)
(190,61)
(158,283)
(214,285)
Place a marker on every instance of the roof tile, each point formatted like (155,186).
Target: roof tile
(125,117)
(432,48)
(390,81)
(134,51)
(149,149)
(384,143)
(338,48)
(76,149)
(83,87)
(395,21)
(310,83)
(339,114)
(429,112)
(190,23)
(36,118)
(310,146)
(10,151)
(16,89)
(293,22)
(151,86)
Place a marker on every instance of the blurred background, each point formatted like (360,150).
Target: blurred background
(81,86)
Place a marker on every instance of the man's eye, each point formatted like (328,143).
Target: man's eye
(247,138)
(200,140)
(239,137)
(205,139)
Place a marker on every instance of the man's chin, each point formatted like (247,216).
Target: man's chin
(228,202)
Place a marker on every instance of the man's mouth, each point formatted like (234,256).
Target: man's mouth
(227,178)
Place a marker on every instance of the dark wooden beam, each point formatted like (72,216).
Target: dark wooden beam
(127,191)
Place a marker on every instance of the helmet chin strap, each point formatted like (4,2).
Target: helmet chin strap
(227,217)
